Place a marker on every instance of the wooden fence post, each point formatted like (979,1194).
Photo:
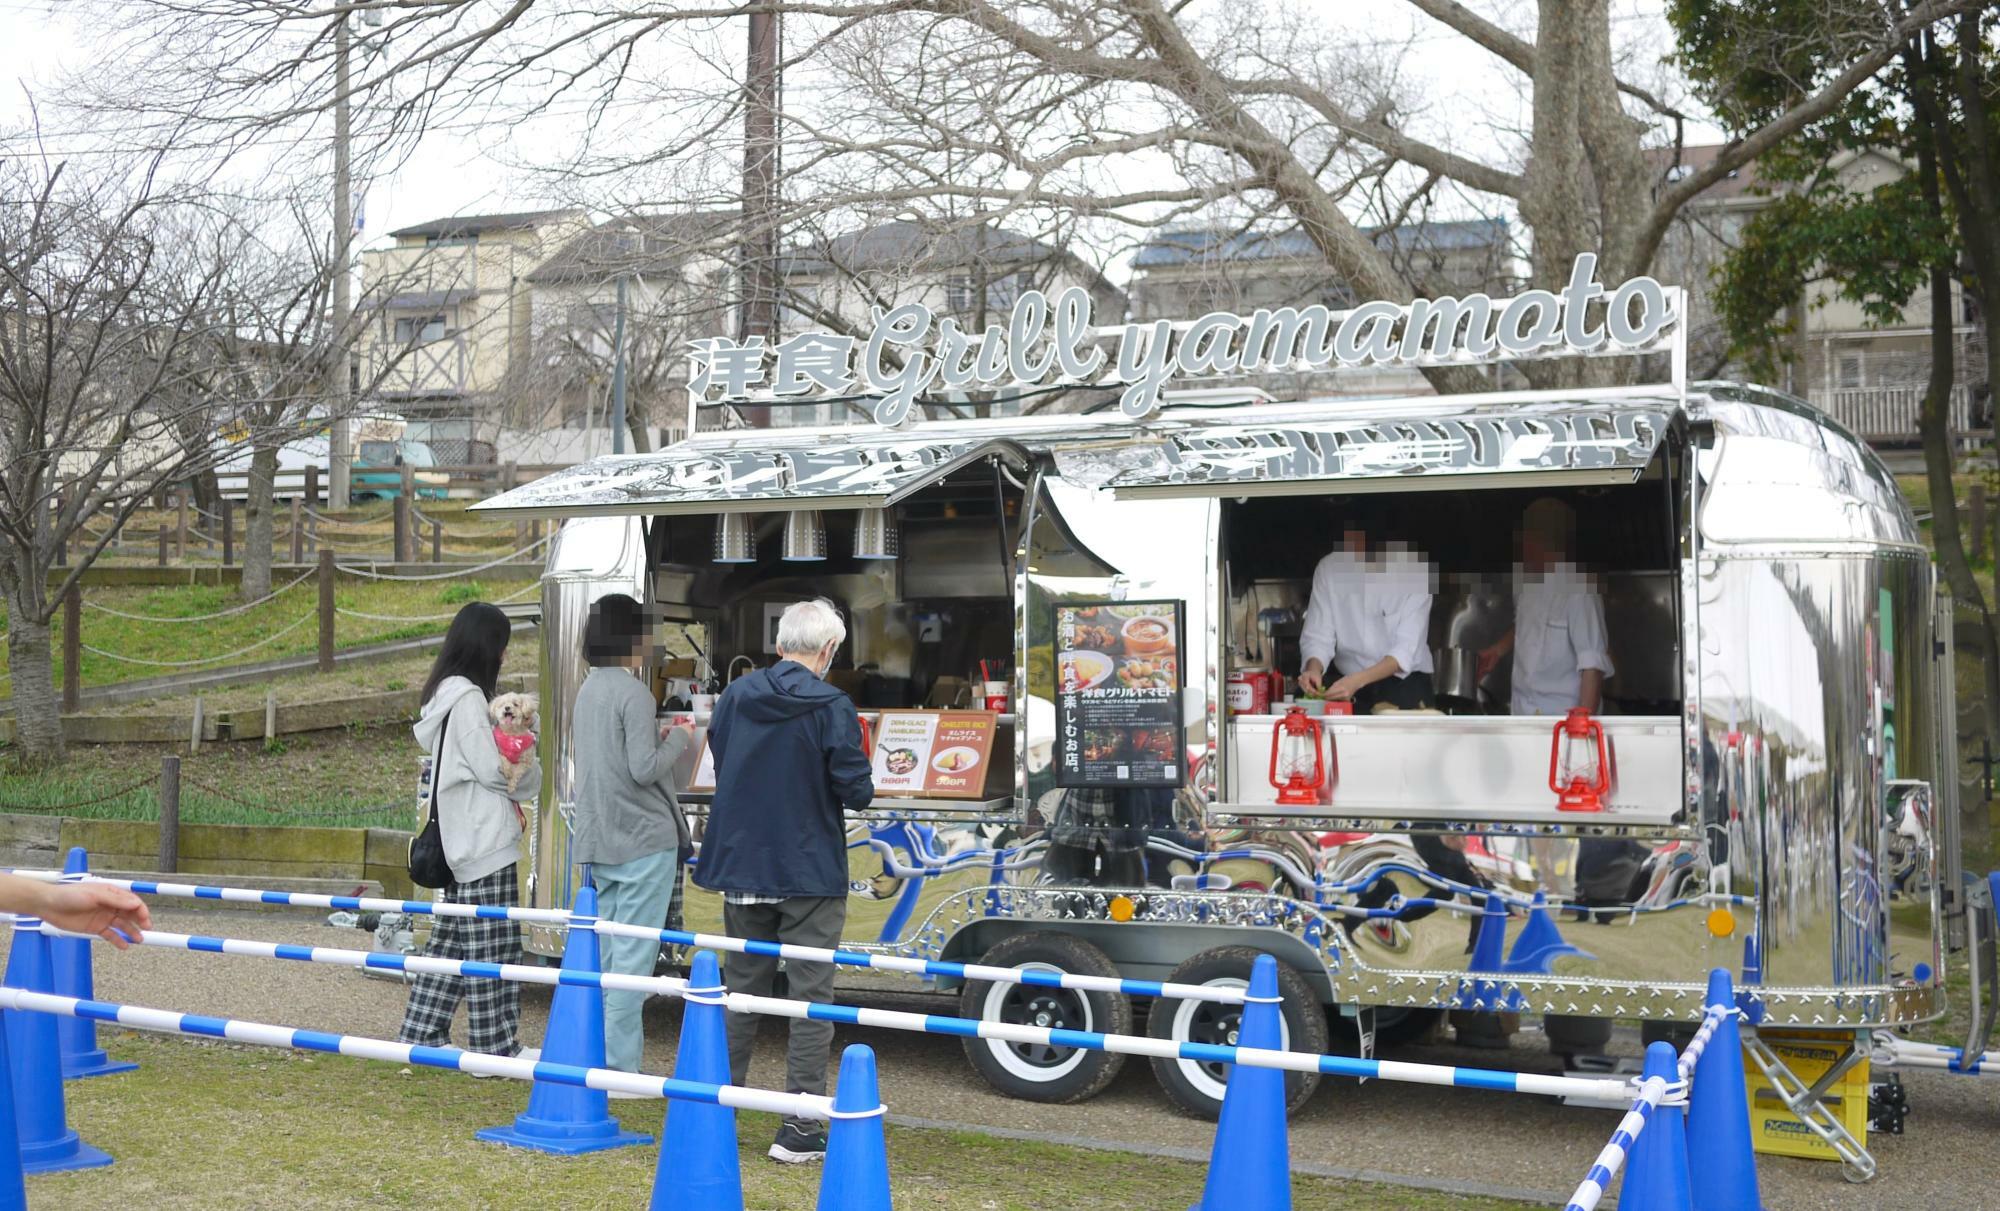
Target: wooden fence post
(326,609)
(399,515)
(409,481)
(228,534)
(72,691)
(270,716)
(163,544)
(312,487)
(55,524)
(298,531)
(437,541)
(194,733)
(508,474)
(181,537)
(170,813)
(520,534)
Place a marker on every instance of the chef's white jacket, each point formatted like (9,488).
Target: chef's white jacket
(1558,633)
(1362,610)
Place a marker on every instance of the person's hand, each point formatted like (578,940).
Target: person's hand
(111,913)
(1309,677)
(683,726)
(1489,659)
(1346,688)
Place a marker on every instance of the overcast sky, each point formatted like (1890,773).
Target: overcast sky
(1470,101)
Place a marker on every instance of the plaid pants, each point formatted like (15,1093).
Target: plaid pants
(492,1007)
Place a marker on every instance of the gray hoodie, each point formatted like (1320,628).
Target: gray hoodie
(476,819)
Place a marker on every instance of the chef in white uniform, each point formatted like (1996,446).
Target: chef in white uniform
(1561,656)
(1369,621)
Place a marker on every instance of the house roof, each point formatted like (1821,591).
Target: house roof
(1674,163)
(641,244)
(1193,245)
(906,245)
(476,224)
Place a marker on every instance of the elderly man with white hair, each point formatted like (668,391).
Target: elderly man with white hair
(788,766)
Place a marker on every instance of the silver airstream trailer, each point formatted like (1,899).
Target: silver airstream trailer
(1778,799)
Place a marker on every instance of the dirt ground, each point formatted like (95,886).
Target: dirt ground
(1497,1147)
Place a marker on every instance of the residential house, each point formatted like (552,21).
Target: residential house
(970,271)
(677,286)
(1183,272)
(445,323)
(1870,377)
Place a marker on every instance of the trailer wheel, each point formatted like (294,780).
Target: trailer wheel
(1036,1072)
(1196,1086)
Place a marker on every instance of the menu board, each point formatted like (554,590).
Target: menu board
(703,778)
(933,754)
(1118,693)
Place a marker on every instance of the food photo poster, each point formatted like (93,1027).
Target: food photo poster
(1118,693)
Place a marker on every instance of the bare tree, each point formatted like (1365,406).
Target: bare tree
(112,290)
(1129,114)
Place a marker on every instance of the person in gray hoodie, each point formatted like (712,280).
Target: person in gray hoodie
(628,823)
(481,830)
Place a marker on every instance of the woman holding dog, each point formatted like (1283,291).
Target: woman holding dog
(628,825)
(481,831)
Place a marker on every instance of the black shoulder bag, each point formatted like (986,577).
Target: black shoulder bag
(428,867)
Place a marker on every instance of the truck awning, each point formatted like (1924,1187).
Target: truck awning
(689,478)
(1542,446)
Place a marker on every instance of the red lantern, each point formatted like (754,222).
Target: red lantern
(1298,761)
(1579,763)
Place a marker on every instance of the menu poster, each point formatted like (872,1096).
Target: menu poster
(703,778)
(1118,693)
(933,754)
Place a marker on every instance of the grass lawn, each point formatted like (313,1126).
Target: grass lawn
(203,1125)
(404,610)
(352,777)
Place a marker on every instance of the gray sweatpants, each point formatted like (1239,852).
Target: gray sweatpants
(799,921)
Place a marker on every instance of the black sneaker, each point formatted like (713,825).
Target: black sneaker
(797,1145)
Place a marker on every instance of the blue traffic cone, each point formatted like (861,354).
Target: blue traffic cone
(1250,1164)
(1489,951)
(13,1189)
(699,1168)
(1656,1178)
(566,1119)
(857,1153)
(81,1056)
(40,1121)
(1719,1117)
(1540,943)
(1753,975)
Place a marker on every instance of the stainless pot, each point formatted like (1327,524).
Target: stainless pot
(1456,672)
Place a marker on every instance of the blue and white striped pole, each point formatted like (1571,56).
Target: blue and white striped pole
(1612,1158)
(163,1021)
(935,968)
(1598,1089)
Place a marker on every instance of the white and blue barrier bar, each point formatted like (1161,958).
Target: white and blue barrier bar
(1612,1158)
(1600,1089)
(562,918)
(1897,1052)
(163,1021)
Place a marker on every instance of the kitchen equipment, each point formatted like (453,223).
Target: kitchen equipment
(1249,692)
(1456,672)
(875,535)
(1579,763)
(735,539)
(805,536)
(1298,759)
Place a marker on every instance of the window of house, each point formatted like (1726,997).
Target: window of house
(419,328)
(958,293)
(1003,291)
(1847,371)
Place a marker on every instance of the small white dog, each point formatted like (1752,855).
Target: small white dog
(515,720)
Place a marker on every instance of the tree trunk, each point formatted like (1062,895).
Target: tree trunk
(259,512)
(31,660)
(1934,429)
(637,427)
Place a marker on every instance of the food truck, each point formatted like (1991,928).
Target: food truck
(1767,786)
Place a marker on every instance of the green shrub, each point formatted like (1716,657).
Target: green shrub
(459,594)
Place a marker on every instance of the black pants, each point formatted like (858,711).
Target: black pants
(1416,692)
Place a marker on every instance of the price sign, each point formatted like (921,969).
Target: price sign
(934,754)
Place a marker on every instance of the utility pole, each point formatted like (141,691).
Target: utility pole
(340,454)
(760,188)
(618,371)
